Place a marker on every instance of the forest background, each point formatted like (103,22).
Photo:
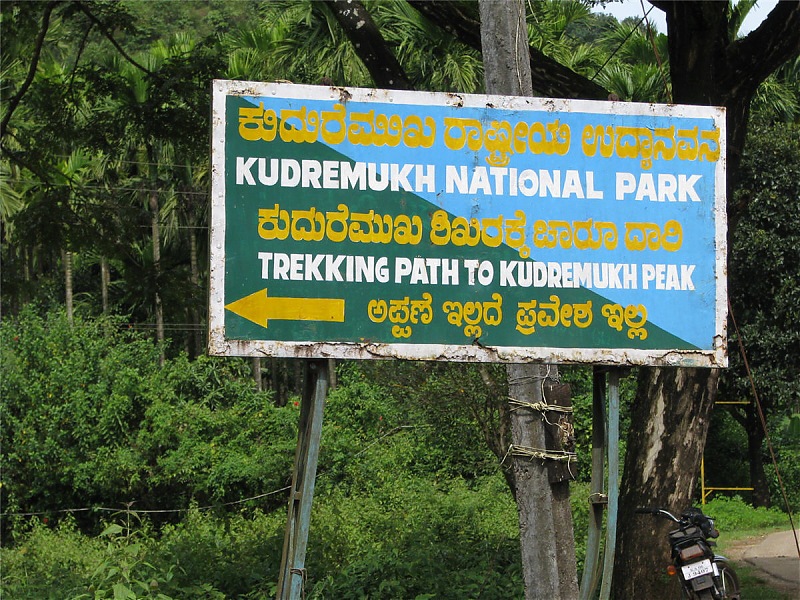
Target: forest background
(131,461)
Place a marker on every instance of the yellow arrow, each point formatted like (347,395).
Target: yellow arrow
(260,308)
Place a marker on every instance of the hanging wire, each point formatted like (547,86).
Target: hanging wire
(108,188)
(128,508)
(141,511)
(763,424)
(622,43)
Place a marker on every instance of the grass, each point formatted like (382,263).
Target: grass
(755,587)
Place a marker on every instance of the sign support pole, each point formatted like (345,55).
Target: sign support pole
(598,499)
(613,482)
(292,576)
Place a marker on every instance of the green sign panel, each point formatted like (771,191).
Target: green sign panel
(359,223)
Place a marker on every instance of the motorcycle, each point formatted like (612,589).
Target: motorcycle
(704,575)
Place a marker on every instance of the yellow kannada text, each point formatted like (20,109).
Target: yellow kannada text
(337,226)
(647,144)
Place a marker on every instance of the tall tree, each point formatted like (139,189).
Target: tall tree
(546,538)
(708,66)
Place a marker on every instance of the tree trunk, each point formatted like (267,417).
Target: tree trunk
(707,67)
(332,381)
(194,314)
(545,521)
(155,232)
(758,478)
(670,418)
(105,281)
(751,424)
(549,77)
(68,285)
(365,35)
(255,370)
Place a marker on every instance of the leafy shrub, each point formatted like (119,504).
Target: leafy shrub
(733,513)
(239,554)
(90,419)
(124,563)
(71,399)
(412,538)
(49,563)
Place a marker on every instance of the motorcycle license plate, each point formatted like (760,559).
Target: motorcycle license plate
(697,569)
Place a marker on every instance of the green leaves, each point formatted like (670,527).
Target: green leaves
(89,418)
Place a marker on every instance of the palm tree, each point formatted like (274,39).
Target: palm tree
(148,158)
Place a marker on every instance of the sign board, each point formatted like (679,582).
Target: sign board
(364,223)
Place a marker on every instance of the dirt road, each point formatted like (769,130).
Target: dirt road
(774,556)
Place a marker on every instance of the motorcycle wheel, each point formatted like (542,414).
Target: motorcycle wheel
(729,583)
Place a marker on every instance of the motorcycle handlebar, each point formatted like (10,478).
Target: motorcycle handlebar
(695,516)
(659,512)
(646,510)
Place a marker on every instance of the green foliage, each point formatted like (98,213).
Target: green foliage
(398,502)
(786,439)
(49,563)
(238,553)
(70,397)
(446,414)
(120,563)
(734,517)
(91,419)
(764,271)
(398,541)
(754,587)
(726,458)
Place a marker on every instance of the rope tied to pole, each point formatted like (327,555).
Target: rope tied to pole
(304,577)
(538,406)
(539,453)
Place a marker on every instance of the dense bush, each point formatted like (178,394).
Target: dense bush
(96,423)
(733,513)
(90,419)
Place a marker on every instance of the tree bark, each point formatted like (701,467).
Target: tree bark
(105,281)
(68,285)
(155,232)
(548,77)
(370,46)
(670,418)
(545,522)
(194,314)
(707,67)
(255,370)
(755,439)
(758,477)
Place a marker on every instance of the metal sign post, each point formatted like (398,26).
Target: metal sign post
(613,482)
(605,447)
(598,498)
(293,572)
